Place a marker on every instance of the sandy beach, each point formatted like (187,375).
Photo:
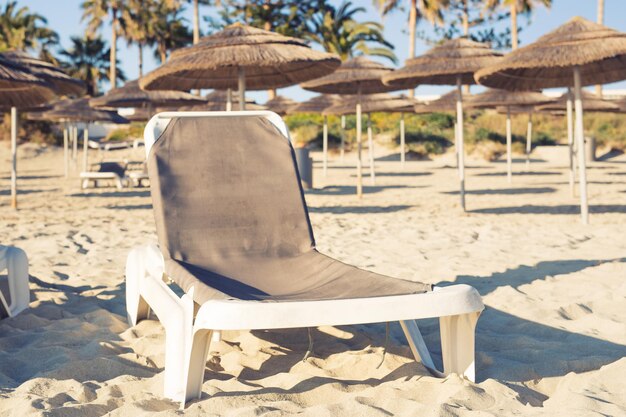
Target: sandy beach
(551,341)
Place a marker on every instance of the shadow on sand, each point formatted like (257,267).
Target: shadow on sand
(517,174)
(351,190)
(114,194)
(130,207)
(358,209)
(505,191)
(28,191)
(563,209)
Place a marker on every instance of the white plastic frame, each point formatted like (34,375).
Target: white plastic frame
(15,262)
(188,335)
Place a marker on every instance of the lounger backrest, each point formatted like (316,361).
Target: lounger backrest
(226,189)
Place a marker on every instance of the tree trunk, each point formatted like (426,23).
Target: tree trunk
(514,25)
(465,19)
(412,28)
(162,53)
(140,47)
(268,26)
(113,62)
(600,21)
(196,22)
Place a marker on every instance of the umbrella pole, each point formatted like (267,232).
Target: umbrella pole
(459,124)
(65,149)
(325,144)
(242,88)
(85,147)
(402,140)
(343,137)
(456,144)
(370,149)
(529,137)
(580,134)
(509,169)
(229,99)
(570,143)
(14,157)
(75,143)
(359,172)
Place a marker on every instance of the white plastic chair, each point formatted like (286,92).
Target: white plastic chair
(189,330)
(15,295)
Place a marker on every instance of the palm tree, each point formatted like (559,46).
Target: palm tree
(95,11)
(337,31)
(169,30)
(518,6)
(88,59)
(20,29)
(428,9)
(137,26)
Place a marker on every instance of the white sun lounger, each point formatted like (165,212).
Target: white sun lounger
(95,177)
(191,324)
(14,291)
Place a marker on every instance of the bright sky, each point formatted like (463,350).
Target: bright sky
(64,17)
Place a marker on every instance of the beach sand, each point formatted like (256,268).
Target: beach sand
(551,341)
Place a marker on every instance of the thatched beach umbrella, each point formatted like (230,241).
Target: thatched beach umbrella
(21,88)
(357,76)
(130,95)
(241,57)
(79,110)
(222,100)
(280,104)
(452,63)
(444,104)
(590,102)
(494,97)
(63,84)
(575,54)
(384,103)
(317,105)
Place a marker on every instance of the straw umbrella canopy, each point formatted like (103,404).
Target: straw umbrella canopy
(20,88)
(451,63)
(218,106)
(79,110)
(220,100)
(382,102)
(131,95)
(445,103)
(241,57)
(591,103)
(357,76)
(494,97)
(62,83)
(575,54)
(280,104)
(317,105)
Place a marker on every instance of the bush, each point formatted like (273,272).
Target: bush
(128,132)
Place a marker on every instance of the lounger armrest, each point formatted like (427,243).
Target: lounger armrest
(250,315)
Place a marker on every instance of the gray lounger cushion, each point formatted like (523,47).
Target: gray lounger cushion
(232,221)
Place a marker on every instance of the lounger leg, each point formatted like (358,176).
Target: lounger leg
(17,271)
(196,364)
(418,346)
(137,308)
(457,344)
(145,287)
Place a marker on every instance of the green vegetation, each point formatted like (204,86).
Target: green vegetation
(432,134)
(132,131)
